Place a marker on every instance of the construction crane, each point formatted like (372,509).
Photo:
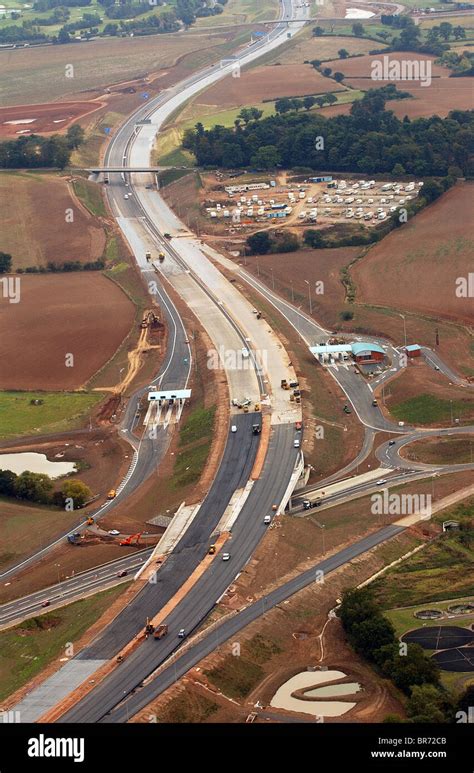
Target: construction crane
(130,539)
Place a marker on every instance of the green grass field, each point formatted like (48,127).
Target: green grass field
(441,570)
(26,649)
(427,409)
(195,444)
(91,196)
(59,411)
(241,12)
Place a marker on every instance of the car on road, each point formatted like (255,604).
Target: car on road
(167,235)
(392,442)
(233,428)
(225,556)
(123,573)
(182,633)
(267,519)
(45,603)
(296,443)
(114,532)
(436,367)
(374,403)
(382,482)
(112,494)
(127,196)
(307,505)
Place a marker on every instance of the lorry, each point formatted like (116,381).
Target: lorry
(160,631)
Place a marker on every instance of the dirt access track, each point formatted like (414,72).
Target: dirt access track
(49,118)
(86,315)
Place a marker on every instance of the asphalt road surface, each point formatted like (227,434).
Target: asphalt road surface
(74,587)
(194,653)
(247,532)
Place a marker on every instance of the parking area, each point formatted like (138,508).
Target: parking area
(325,202)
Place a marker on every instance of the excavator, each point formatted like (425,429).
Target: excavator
(131,540)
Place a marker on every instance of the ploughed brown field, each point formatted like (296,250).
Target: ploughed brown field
(51,118)
(441,96)
(34,210)
(416,267)
(83,314)
(266,83)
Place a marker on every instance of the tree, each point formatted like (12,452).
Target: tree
(297,104)
(357,605)
(330,98)
(314,239)
(308,102)
(287,242)
(466,701)
(5,262)
(327,72)
(75,136)
(459,33)
(318,31)
(431,190)
(372,634)
(7,483)
(266,157)
(34,486)
(445,30)
(256,113)
(398,170)
(316,63)
(63,36)
(343,53)
(339,76)
(358,29)
(283,105)
(408,670)
(250,114)
(77,491)
(426,705)
(259,243)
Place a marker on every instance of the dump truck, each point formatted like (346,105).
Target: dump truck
(160,631)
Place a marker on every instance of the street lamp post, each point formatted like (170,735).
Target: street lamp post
(309,296)
(404,327)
